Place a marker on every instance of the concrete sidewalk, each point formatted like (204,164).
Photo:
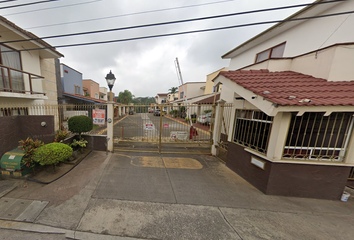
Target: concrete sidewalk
(165,196)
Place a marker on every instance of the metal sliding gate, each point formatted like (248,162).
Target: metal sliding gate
(164,128)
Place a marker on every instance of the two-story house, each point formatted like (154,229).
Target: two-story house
(161,98)
(103,93)
(209,85)
(75,89)
(92,88)
(190,90)
(27,76)
(292,91)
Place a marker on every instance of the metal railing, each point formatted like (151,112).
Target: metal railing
(60,112)
(252,129)
(314,136)
(18,81)
(165,123)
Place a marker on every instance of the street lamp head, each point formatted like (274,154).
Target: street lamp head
(110,80)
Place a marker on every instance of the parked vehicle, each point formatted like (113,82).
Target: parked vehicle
(131,112)
(157,112)
(151,110)
(205,119)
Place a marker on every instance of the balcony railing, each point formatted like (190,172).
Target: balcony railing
(18,81)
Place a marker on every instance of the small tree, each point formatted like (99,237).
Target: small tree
(80,124)
(52,154)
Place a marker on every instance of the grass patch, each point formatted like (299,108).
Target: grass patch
(95,126)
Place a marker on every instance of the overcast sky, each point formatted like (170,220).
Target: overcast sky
(145,67)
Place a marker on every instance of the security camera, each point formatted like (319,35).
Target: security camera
(254,96)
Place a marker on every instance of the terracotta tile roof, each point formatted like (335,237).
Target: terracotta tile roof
(85,97)
(162,94)
(209,100)
(281,87)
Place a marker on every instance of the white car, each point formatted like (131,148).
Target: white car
(205,119)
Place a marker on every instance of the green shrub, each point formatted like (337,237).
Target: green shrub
(207,111)
(187,119)
(194,120)
(52,154)
(78,144)
(80,124)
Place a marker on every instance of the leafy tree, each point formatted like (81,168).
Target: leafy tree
(125,97)
(143,100)
(173,90)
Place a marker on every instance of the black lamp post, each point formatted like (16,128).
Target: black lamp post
(110,82)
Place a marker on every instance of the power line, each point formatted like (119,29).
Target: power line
(27,4)
(8,1)
(184,33)
(166,23)
(37,10)
(129,14)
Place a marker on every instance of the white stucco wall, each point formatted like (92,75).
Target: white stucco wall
(227,93)
(334,64)
(306,37)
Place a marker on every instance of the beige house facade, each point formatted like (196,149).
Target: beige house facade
(92,88)
(209,85)
(29,76)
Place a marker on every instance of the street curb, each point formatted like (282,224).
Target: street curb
(199,129)
(70,234)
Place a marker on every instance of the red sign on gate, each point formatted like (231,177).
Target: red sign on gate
(165,125)
(98,116)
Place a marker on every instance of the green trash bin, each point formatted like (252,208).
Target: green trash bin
(11,163)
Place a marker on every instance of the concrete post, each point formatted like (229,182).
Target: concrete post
(280,127)
(120,111)
(219,112)
(123,110)
(110,112)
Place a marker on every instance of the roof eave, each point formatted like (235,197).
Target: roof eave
(232,53)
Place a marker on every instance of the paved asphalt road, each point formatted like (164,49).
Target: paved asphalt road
(172,196)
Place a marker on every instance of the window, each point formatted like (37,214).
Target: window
(96,95)
(175,98)
(77,90)
(274,52)
(314,136)
(11,58)
(252,129)
(181,95)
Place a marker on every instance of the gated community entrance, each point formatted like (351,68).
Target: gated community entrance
(168,128)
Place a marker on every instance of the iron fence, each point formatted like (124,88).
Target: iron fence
(165,123)
(315,136)
(60,112)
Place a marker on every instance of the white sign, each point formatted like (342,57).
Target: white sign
(98,116)
(12,157)
(258,163)
(179,135)
(149,126)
